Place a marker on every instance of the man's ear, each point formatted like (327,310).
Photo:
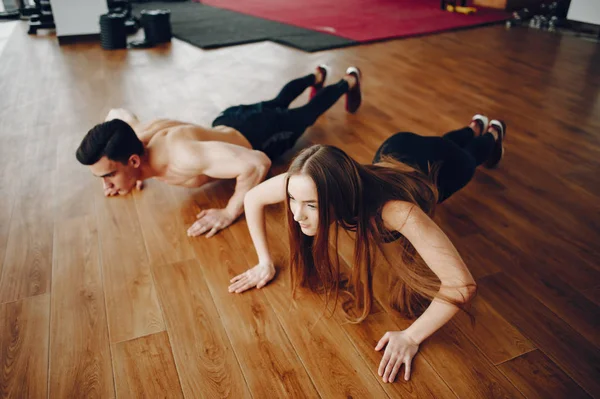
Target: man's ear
(135,161)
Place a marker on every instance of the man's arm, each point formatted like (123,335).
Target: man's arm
(221,160)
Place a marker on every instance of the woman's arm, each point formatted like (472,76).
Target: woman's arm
(269,192)
(441,256)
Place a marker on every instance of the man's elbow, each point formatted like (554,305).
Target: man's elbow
(255,170)
(262,165)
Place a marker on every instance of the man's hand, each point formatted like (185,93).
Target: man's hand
(111,191)
(211,221)
(257,277)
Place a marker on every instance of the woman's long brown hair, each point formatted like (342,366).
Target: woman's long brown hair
(351,196)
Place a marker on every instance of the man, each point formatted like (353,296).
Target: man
(241,143)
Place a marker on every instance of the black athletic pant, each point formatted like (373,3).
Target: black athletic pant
(457,154)
(270,126)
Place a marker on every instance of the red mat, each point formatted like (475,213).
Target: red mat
(362,20)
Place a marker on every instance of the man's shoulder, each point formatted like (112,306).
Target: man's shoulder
(166,126)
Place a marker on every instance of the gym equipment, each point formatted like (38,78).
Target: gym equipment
(461,10)
(445,3)
(117,24)
(10,11)
(124,7)
(15,14)
(40,17)
(157,28)
(113,34)
(546,17)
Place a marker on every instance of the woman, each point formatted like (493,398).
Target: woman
(391,200)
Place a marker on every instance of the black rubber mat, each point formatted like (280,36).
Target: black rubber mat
(209,27)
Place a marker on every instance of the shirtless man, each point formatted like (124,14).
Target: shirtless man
(243,140)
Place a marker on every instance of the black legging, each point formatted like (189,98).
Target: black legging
(457,154)
(270,126)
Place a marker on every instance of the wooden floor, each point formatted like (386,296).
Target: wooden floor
(109,297)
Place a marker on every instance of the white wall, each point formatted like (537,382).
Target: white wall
(78,17)
(587,11)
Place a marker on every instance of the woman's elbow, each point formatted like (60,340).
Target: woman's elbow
(468,293)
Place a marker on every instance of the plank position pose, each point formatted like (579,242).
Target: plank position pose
(240,144)
(390,201)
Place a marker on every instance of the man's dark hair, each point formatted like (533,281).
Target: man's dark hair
(115,139)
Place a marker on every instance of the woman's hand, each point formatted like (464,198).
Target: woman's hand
(400,349)
(257,277)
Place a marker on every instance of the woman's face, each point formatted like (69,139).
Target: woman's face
(302,194)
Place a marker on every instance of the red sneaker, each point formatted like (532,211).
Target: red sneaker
(314,89)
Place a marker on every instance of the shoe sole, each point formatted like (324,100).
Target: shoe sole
(354,71)
(502,135)
(485,121)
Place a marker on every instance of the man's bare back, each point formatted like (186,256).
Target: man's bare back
(177,153)
(165,138)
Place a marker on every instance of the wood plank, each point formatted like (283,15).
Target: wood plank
(424,381)
(208,366)
(479,253)
(537,376)
(80,358)
(144,368)
(6,207)
(452,354)
(8,185)
(492,334)
(513,229)
(579,312)
(24,347)
(258,339)
(165,235)
(317,340)
(540,279)
(12,148)
(593,294)
(75,189)
(28,260)
(569,350)
(131,301)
